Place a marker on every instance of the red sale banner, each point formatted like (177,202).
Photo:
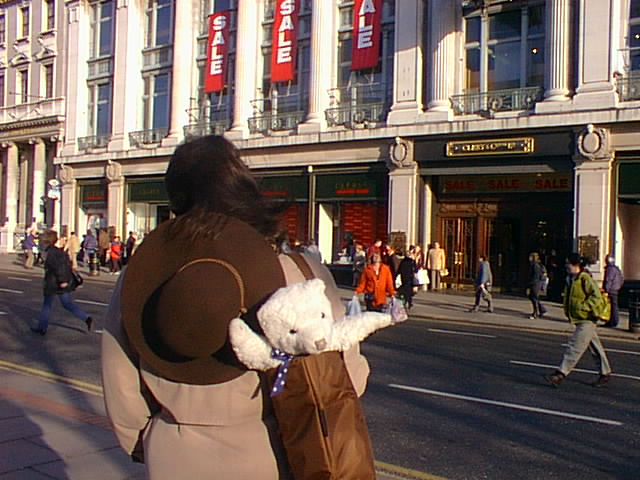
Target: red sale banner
(284,45)
(217,50)
(365,42)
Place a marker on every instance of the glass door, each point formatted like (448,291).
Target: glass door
(459,243)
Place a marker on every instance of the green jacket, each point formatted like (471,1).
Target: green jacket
(581,297)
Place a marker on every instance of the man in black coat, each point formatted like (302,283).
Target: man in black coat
(535,285)
(57,283)
(612,283)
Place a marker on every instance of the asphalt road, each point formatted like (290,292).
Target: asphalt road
(453,400)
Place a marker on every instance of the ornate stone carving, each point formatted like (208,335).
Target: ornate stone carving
(401,153)
(593,143)
(65,175)
(113,172)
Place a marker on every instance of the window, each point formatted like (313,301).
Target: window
(2,89)
(100,108)
(50,12)
(292,96)
(156,100)
(24,22)
(634,35)
(22,84)
(3,29)
(364,87)
(102,23)
(159,25)
(48,80)
(505,48)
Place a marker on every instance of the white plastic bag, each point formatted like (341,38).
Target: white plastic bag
(353,307)
(397,311)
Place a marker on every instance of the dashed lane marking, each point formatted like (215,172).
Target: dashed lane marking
(20,279)
(456,332)
(404,473)
(581,370)
(613,350)
(9,290)
(52,377)
(514,406)
(91,302)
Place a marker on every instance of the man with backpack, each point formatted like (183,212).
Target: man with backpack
(612,283)
(537,283)
(583,305)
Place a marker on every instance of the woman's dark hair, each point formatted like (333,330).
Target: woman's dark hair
(578,260)
(206,176)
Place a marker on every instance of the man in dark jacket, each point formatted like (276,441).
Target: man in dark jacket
(612,283)
(57,283)
(536,284)
(482,283)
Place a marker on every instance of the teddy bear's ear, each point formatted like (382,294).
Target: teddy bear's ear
(315,285)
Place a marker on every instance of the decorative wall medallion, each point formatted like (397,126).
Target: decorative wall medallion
(65,175)
(113,171)
(593,143)
(401,153)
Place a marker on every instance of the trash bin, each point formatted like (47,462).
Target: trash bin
(94,266)
(634,311)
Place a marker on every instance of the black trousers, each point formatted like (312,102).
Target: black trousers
(538,309)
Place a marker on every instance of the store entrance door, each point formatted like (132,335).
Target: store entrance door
(503,247)
(459,239)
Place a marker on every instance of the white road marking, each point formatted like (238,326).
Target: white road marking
(91,302)
(515,406)
(581,370)
(455,332)
(20,279)
(613,350)
(9,290)
(3,313)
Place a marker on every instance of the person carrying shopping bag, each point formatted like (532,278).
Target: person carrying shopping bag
(376,283)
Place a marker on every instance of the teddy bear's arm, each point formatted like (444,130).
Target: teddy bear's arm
(252,349)
(350,330)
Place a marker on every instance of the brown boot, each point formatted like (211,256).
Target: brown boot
(555,378)
(601,381)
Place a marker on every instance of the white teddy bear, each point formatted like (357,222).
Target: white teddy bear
(297,320)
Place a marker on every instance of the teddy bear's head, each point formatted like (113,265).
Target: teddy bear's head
(297,319)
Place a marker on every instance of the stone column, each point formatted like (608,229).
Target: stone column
(115,198)
(183,67)
(10,199)
(127,64)
(442,58)
(68,199)
(404,197)
(247,58)
(323,40)
(596,88)
(408,73)
(39,177)
(592,188)
(558,26)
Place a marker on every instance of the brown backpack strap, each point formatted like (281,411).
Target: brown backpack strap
(302,265)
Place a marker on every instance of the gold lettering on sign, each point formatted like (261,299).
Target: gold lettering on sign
(509,146)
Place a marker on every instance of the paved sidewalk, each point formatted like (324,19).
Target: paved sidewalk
(50,429)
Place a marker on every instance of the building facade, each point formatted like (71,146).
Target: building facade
(492,126)
(32,112)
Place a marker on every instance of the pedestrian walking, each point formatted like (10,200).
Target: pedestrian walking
(406,271)
(73,247)
(436,263)
(104,244)
(482,284)
(359,263)
(422,277)
(581,296)
(115,255)
(536,283)
(90,246)
(377,284)
(130,247)
(57,283)
(176,395)
(28,246)
(612,283)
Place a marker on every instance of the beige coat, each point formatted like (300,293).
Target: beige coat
(224,431)
(435,259)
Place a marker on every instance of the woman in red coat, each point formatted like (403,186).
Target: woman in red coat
(376,283)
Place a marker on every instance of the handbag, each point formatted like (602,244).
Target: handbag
(76,280)
(320,419)
(444,272)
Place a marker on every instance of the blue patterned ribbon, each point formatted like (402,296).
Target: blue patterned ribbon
(283,369)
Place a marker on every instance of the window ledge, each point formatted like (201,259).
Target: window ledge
(47,33)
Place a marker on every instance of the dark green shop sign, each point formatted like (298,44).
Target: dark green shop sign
(285,188)
(93,195)
(365,186)
(143,192)
(629,175)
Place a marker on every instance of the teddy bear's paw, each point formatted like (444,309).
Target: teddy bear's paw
(250,348)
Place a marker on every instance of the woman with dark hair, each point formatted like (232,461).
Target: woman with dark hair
(57,283)
(177,396)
